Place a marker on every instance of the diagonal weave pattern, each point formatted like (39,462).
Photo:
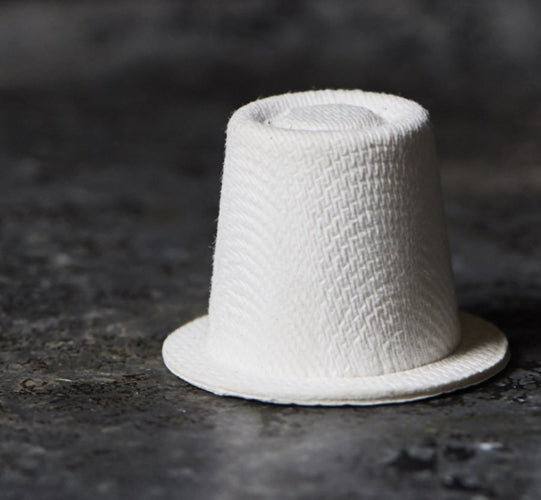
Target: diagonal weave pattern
(332,282)
(331,256)
(482,352)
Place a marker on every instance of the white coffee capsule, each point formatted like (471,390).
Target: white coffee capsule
(332,282)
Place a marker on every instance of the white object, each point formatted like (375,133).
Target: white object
(332,281)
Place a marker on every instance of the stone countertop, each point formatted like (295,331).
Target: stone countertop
(109,186)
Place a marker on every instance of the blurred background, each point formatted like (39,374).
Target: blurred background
(98,96)
(112,123)
(148,73)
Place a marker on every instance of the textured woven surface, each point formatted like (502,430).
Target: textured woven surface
(331,260)
(481,353)
(331,255)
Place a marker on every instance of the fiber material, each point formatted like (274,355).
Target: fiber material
(332,281)
(482,352)
(331,255)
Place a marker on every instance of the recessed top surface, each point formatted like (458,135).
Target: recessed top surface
(327,117)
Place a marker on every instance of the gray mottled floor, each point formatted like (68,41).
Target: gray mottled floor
(101,260)
(109,187)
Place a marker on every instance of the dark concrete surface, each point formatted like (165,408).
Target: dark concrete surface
(110,165)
